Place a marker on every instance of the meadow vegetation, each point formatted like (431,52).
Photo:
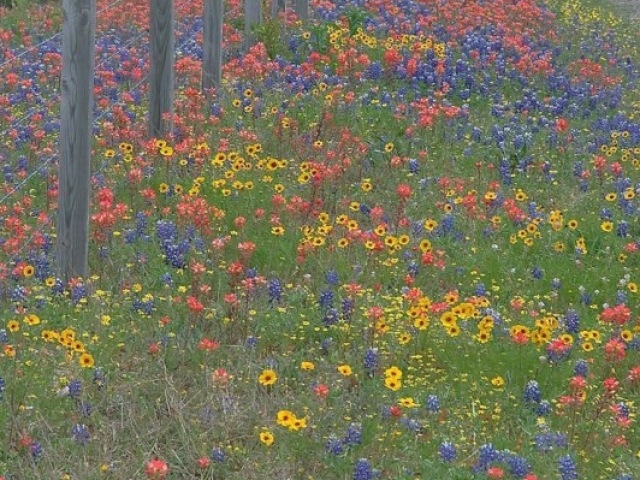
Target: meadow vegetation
(400,242)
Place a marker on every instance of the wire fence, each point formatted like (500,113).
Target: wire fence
(104,163)
(46,164)
(54,36)
(26,117)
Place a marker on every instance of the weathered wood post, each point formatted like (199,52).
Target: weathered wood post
(252,17)
(276,6)
(161,76)
(212,45)
(76,132)
(302,9)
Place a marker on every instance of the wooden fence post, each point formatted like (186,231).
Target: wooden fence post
(302,9)
(252,17)
(276,6)
(161,76)
(76,133)
(212,45)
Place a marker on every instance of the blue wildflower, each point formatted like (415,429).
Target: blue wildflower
(371,361)
(447,452)
(75,388)
(567,468)
(332,278)
(364,471)
(80,433)
(36,449)
(353,435)
(581,368)
(334,445)
(532,392)
(218,455)
(275,290)
(433,404)
(325,301)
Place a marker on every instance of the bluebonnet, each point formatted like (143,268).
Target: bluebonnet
(130,236)
(412,424)
(374,71)
(364,471)
(546,169)
(567,468)
(446,224)
(75,388)
(99,378)
(504,168)
(433,404)
(621,296)
(536,273)
(622,229)
(80,433)
(480,290)
(585,297)
(218,455)
(543,409)
(250,342)
(43,267)
(166,230)
(548,441)
(487,454)
(413,268)
(331,317)
(326,299)
(623,409)
(334,445)
(571,321)
(332,278)
(4,336)
(371,361)
(79,292)
(3,385)
(353,435)
(167,279)
(19,294)
(557,352)
(584,185)
(518,466)
(581,368)
(532,392)
(275,290)
(447,452)
(348,305)
(85,408)
(325,345)
(141,223)
(36,449)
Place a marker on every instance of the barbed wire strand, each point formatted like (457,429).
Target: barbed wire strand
(19,121)
(104,163)
(95,120)
(55,35)
(33,110)
(126,45)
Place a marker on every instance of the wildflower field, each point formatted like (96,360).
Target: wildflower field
(400,242)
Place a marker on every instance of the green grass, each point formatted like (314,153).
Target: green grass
(164,394)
